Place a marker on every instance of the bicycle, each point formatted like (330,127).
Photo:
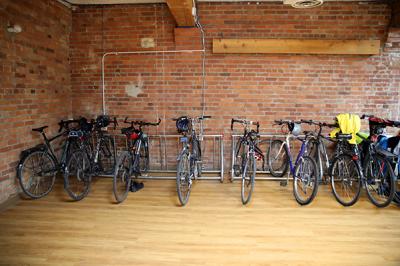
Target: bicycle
(304,170)
(38,166)
(351,170)
(89,160)
(189,164)
(317,149)
(133,161)
(246,154)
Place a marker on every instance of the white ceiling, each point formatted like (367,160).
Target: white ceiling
(96,2)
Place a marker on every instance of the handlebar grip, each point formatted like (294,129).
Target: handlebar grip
(232,121)
(258,127)
(206,116)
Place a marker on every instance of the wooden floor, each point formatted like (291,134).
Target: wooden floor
(213,229)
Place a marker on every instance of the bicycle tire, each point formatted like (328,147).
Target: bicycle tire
(352,168)
(282,158)
(23,167)
(309,179)
(144,158)
(122,172)
(183,179)
(250,167)
(77,175)
(238,157)
(377,164)
(107,158)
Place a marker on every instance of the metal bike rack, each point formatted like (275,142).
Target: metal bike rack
(164,150)
(264,139)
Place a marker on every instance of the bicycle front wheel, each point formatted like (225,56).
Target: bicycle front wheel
(305,180)
(248,177)
(122,177)
(36,174)
(278,158)
(345,179)
(183,179)
(379,180)
(77,175)
(107,155)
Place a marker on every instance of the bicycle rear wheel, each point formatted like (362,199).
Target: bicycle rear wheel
(77,175)
(305,180)
(122,177)
(345,179)
(248,178)
(36,174)
(380,180)
(277,158)
(183,179)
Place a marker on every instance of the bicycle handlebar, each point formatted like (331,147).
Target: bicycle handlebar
(141,123)
(65,124)
(317,123)
(245,122)
(386,122)
(281,122)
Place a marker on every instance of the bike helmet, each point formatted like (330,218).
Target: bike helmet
(183,124)
(102,121)
(295,129)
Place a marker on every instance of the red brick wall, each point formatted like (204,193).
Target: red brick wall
(259,87)
(34,78)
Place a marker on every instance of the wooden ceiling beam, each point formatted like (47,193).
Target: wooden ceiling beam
(182,11)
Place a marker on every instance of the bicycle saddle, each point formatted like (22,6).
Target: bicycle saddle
(39,129)
(343,136)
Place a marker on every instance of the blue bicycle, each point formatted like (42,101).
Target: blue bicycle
(304,170)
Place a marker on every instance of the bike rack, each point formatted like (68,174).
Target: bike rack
(164,150)
(265,138)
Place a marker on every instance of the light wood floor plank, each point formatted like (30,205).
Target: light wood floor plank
(213,229)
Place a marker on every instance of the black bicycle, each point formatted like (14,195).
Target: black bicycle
(352,169)
(247,153)
(134,161)
(189,164)
(90,160)
(38,166)
(317,148)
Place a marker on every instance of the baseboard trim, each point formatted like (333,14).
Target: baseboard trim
(10,202)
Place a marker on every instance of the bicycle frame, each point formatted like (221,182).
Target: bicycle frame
(303,150)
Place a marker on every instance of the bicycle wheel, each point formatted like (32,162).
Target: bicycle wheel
(305,180)
(107,155)
(379,180)
(77,175)
(277,158)
(122,177)
(345,179)
(144,158)
(36,174)
(239,155)
(183,179)
(248,177)
(314,152)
